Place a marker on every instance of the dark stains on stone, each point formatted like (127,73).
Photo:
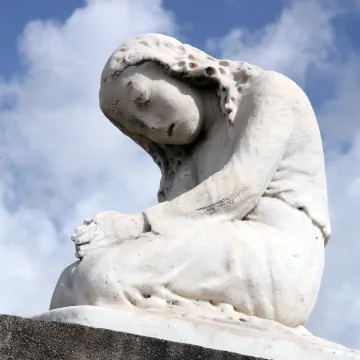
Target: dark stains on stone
(212,208)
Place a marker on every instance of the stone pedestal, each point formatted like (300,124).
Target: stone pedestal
(154,335)
(24,339)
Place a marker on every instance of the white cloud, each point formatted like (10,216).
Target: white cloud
(303,44)
(302,38)
(62,161)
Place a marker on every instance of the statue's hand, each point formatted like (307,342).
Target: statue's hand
(106,228)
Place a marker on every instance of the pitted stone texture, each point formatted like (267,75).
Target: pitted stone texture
(25,339)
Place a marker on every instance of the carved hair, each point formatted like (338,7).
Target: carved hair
(184,61)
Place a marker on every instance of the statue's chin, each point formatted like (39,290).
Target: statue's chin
(177,133)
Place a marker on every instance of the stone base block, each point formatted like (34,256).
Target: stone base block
(106,333)
(28,339)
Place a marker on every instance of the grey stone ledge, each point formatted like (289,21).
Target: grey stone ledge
(28,339)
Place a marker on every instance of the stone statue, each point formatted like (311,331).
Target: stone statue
(242,218)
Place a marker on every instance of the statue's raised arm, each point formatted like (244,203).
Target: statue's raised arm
(243,217)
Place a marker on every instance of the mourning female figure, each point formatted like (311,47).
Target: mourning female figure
(242,218)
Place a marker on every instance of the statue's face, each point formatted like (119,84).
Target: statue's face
(150,103)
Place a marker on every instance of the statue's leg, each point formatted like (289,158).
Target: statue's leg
(247,266)
(65,293)
(294,261)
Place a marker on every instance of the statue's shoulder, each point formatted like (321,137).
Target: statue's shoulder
(275,80)
(277,85)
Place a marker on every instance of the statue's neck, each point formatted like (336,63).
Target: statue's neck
(212,111)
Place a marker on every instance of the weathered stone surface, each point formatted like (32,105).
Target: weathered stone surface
(22,339)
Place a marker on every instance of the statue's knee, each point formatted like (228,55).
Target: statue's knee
(64,291)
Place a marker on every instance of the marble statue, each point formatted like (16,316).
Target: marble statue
(242,219)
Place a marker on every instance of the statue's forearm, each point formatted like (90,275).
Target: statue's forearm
(223,195)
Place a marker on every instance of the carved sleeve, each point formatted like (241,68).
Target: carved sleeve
(263,127)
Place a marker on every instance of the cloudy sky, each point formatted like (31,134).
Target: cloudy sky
(61,161)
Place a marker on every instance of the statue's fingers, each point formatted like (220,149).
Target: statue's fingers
(86,235)
(84,239)
(88,247)
(80,229)
(75,236)
(85,228)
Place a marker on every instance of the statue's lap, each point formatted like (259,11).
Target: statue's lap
(259,269)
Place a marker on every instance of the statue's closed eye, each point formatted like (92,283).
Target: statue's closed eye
(142,100)
(139,98)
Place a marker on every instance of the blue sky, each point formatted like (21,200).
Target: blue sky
(62,162)
(14,15)
(198,21)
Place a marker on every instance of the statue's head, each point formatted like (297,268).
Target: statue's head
(154,105)
(151,90)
